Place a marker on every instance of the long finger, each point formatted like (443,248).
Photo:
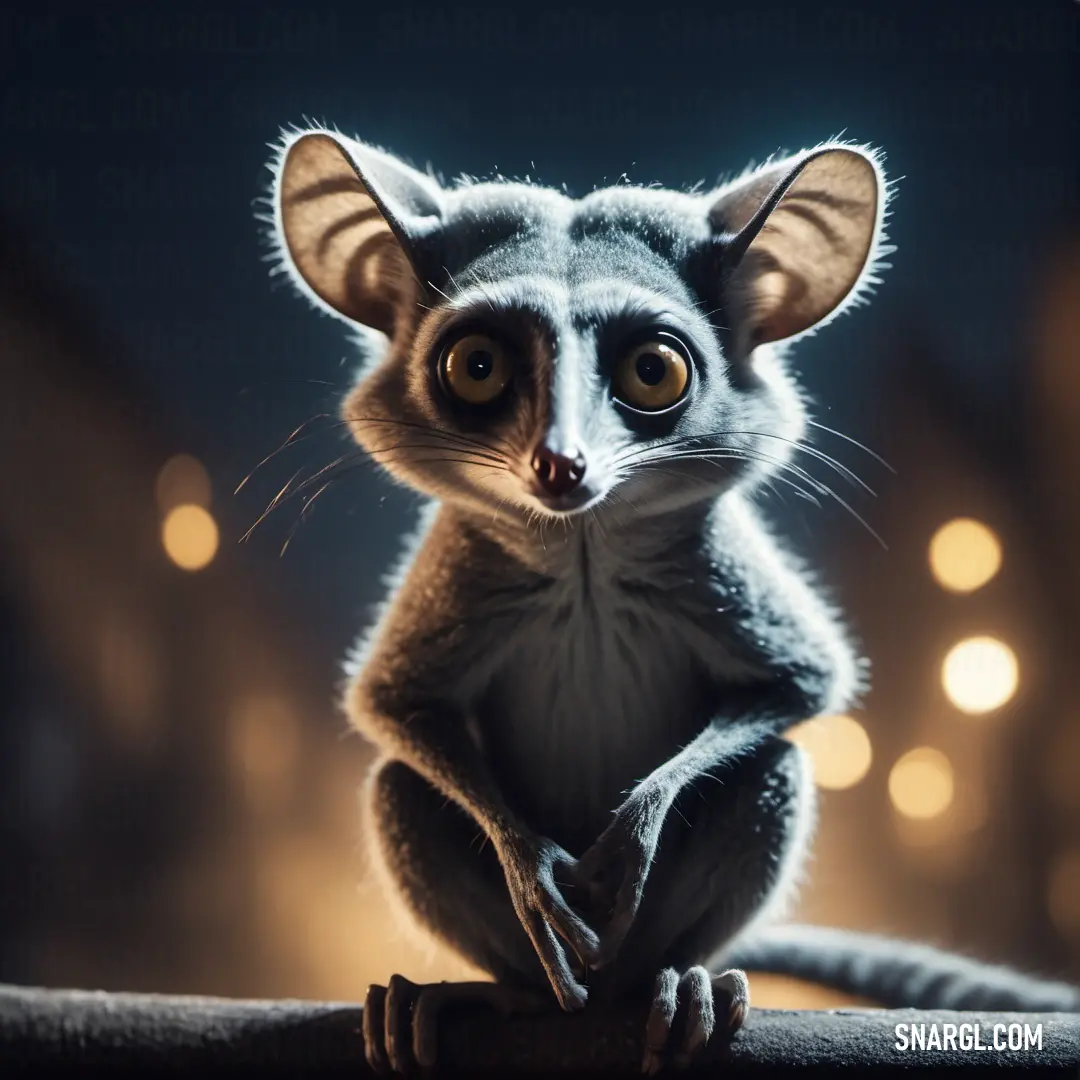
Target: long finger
(569,925)
(571,994)
(627,903)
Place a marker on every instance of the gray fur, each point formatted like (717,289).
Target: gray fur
(594,683)
(901,974)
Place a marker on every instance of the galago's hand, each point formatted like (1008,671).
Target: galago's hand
(613,871)
(534,868)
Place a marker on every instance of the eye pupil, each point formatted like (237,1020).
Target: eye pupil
(651,376)
(480,364)
(475,369)
(650,368)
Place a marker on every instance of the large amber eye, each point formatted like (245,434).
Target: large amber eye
(652,376)
(476,369)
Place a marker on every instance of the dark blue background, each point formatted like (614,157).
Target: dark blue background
(135,142)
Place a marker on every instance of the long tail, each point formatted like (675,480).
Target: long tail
(898,974)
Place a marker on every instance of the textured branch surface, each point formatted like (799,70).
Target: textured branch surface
(70,1032)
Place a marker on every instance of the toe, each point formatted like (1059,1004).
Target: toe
(661,1016)
(401,997)
(425,1027)
(696,1006)
(731,990)
(374,1025)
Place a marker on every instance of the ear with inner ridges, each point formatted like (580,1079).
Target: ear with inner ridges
(809,255)
(349,220)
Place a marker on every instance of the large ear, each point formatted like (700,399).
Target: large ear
(349,219)
(796,240)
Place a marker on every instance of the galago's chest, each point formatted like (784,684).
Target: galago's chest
(598,683)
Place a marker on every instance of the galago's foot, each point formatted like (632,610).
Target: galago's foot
(401,1018)
(685,1012)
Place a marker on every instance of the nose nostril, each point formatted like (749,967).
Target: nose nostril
(557,473)
(541,464)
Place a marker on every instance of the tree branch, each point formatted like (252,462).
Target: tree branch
(70,1032)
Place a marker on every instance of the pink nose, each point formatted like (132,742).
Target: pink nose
(557,473)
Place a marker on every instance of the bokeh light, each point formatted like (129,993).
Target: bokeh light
(964,555)
(182,480)
(190,536)
(980,674)
(838,747)
(921,783)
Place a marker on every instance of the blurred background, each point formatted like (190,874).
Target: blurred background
(178,790)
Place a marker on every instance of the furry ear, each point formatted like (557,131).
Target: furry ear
(797,238)
(348,220)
